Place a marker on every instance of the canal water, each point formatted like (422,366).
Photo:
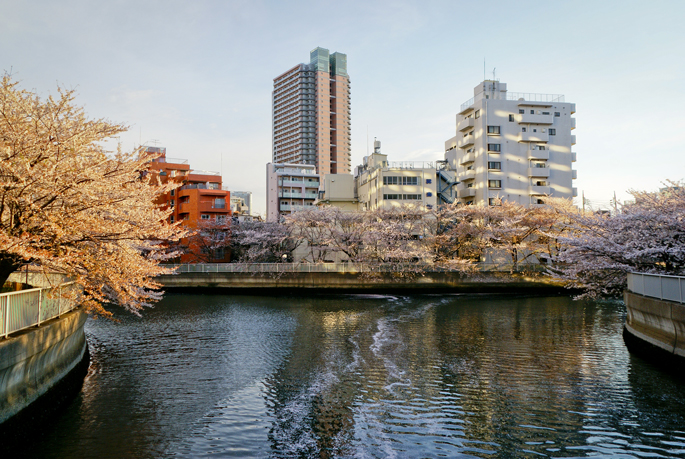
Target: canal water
(367,377)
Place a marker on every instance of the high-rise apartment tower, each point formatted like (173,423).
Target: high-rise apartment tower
(311,114)
(513,146)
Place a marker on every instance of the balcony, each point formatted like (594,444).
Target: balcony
(538,172)
(466,193)
(538,154)
(287,194)
(573,123)
(212,207)
(529,118)
(573,157)
(573,140)
(535,190)
(291,183)
(294,208)
(575,191)
(465,141)
(465,124)
(574,174)
(573,108)
(467,158)
(533,137)
(467,175)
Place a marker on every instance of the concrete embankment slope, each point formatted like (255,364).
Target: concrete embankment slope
(270,283)
(655,328)
(37,360)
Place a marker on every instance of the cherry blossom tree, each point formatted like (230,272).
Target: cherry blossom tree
(262,242)
(68,206)
(646,236)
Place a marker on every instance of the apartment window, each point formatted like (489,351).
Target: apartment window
(511,118)
(494,184)
(171,219)
(391,196)
(171,203)
(477,114)
(521,111)
(469,203)
(545,113)
(410,180)
(429,181)
(494,147)
(495,202)
(204,216)
(390,180)
(539,201)
(162,173)
(469,185)
(540,183)
(493,130)
(532,112)
(494,165)
(523,129)
(557,114)
(173,192)
(552,132)
(411,197)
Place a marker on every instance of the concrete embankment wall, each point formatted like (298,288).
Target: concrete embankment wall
(658,324)
(38,359)
(352,282)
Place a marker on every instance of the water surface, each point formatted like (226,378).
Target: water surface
(365,377)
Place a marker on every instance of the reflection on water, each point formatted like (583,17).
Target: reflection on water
(369,376)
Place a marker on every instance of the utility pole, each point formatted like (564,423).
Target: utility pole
(615,205)
(583,202)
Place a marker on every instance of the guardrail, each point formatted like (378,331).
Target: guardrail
(340,267)
(27,308)
(670,288)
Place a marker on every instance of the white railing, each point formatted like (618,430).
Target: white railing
(26,308)
(670,288)
(337,267)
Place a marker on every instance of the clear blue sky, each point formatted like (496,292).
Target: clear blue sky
(197,76)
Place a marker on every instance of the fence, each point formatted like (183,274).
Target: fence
(670,288)
(26,308)
(340,267)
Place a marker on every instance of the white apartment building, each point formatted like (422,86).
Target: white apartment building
(512,146)
(383,184)
(289,188)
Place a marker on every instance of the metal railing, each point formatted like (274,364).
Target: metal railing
(663,287)
(342,267)
(26,308)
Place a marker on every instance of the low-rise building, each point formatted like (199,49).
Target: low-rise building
(383,184)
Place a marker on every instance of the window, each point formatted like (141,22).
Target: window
(391,196)
(493,130)
(429,181)
(495,202)
(511,118)
(173,192)
(552,131)
(390,180)
(171,219)
(171,203)
(540,183)
(494,147)
(162,173)
(477,115)
(410,180)
(521,111)
(532,112)
(523,129)
(221,218)
(411,197)
(539,201)
(494,184)
(557,114)
(545,113)
(204,216)
(494,165)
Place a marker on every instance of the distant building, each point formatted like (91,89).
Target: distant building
(241,202)
(339,191)
(383,184)
(289,188)
(200,198)
(513,146)
(311,114)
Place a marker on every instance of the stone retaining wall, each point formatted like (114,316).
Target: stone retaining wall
(659,323)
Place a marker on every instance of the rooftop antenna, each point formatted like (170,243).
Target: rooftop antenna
(493,74)
(483,68)
(367,140)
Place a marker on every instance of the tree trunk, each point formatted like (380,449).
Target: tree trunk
(8,264)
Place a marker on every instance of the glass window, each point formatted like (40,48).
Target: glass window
(495,202)
(495,165)
(552,132)
(204,216)
(494,184)
(532,112)
(493,129)
(557,114)
(511,117)
(521,111)
(494,147)
(477,114)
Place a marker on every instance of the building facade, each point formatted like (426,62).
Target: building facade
(199,198)
(311,114)
(383,184)
(512,146)
(289,188)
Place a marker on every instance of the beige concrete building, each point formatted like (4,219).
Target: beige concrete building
(289,188)
(385,184)
(339,191)
(514,146)
(311,114)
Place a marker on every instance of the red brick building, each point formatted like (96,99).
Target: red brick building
(200,201)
